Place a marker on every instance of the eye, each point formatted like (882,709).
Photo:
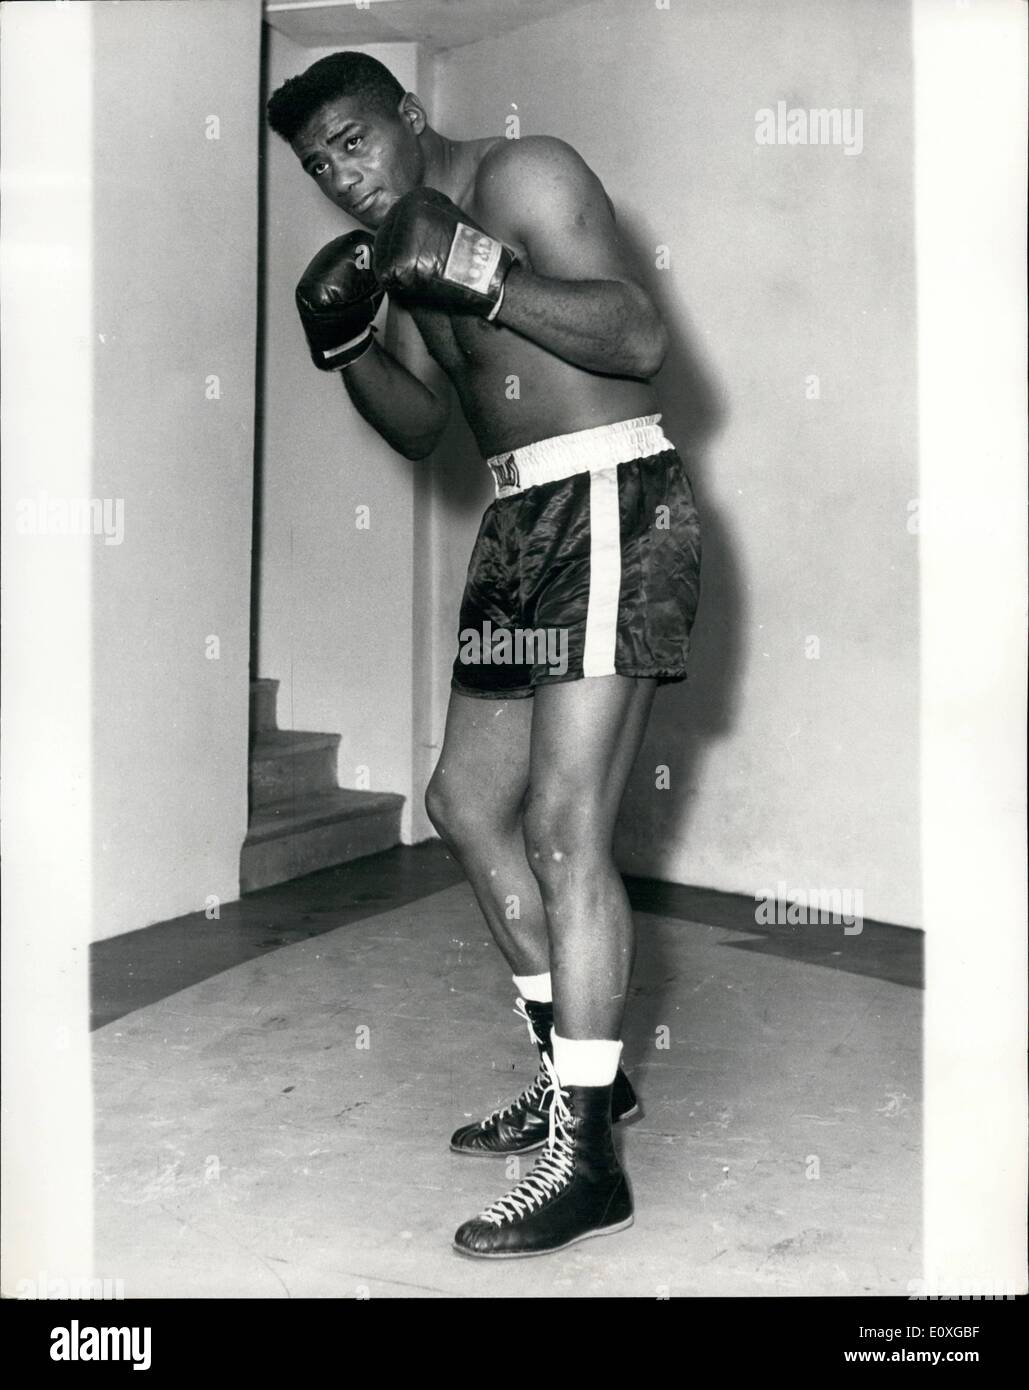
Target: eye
(352,142)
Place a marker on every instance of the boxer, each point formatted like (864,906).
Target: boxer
(504,257)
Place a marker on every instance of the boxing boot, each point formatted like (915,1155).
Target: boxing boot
(522,1125)
(576,1188)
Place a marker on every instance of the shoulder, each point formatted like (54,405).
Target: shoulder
(538,165)
(531,153)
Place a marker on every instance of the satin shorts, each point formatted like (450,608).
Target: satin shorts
(593,574)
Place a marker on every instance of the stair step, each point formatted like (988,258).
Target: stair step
(304,813)
(290,764)
(317,831)
(264,696)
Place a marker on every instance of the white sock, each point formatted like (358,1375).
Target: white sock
(585,1061)
(535,988)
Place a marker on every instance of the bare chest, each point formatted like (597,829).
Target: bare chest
(463,342)
(460,343)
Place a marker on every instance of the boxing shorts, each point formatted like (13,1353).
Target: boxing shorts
(587,563)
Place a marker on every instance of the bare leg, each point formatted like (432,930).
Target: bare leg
(585,737)
(475,801)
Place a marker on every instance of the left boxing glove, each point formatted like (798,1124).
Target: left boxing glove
(338,297)
(429,249)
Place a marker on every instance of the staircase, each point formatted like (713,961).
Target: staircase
(300,820)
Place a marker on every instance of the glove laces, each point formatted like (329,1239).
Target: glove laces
(554,1169)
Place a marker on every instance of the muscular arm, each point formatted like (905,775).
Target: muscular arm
(579,299)
(407,414)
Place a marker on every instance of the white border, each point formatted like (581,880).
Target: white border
(970,102)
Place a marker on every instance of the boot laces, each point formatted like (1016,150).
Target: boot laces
(554,1168)
(533,1097)
(523,1012)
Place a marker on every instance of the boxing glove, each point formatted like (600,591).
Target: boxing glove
(428,249)
(338,298)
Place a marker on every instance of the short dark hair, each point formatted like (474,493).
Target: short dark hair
(338,75)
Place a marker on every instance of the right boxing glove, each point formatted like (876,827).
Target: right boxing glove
(338,297)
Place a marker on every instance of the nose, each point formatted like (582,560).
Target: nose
(343,180)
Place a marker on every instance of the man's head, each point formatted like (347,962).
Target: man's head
(355,130)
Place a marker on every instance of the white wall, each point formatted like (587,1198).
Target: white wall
(785,261)
(336,604)
(129,260)
(175,255)
(166,362)
(46,211)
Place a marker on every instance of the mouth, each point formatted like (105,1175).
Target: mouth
(364,204)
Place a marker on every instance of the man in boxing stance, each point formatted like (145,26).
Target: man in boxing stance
(506,257)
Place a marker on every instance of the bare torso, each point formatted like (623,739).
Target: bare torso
(511,390)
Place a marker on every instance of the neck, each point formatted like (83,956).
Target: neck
(442,161)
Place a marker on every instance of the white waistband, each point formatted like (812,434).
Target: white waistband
(584,451)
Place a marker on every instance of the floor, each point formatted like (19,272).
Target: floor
(275,1091)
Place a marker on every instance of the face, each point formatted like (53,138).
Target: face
(362,159)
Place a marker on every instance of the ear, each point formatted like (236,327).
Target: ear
(412,113)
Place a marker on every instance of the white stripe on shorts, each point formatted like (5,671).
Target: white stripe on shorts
(598,657)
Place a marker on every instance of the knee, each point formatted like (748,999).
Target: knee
(558,838)
(453,810)
(440,805)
